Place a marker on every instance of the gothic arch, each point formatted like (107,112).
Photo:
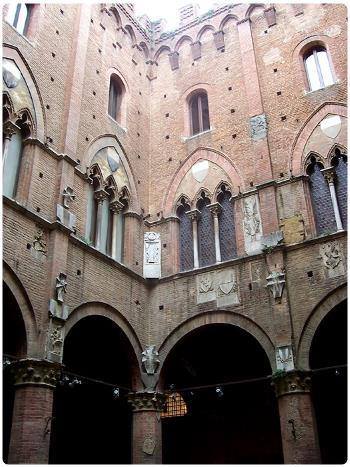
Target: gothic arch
(162,49)
(111,140)
(335,146)
(203,30)
(252,7)
(218,317)
(181,41)
(295,159)
(102,309)
(209,154)
(145,50)
(116,15)
(313,321)
(226,19)
(130,32)
(12,53)
(25,306)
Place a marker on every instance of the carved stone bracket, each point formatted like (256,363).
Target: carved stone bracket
(35,372)
(150,360)
(147,401)
(291,382)
(275,282)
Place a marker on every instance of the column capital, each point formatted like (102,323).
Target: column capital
(116,206)
(100,195)
(329,174)
(194,215)
(291,382)
(9,129)
(35,372)
(215,208)
(147,401)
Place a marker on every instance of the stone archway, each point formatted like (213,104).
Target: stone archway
(92,419)
(222,374)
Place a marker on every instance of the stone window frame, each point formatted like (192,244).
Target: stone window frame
(35,11)
(186,97)
(315,53)
(121,111)
(199,99)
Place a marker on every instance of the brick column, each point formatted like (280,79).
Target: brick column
(297,419)
(147,427)
(34,382)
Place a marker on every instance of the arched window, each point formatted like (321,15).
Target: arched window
(321,199)
(199,113)
(186,238)
(227,226)
(206,240)
(339,161)
(116,95)
(18,16)
(318,69)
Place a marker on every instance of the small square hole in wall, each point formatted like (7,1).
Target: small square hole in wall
(279,93)
(283,118)
(37,209)
(138,156)
(164,96)
(251,183)
(275,70)
(167,137)
(138,182)
(221,147)
(250,286)
(170,159)
(94,93)
(57,32)
(281,174)
(91,20)
(29,246)
(266,31)
(78,160)
(52,79)
(234,136)
(62,12)
(53,54)
(78,272)
(222,51)
(227,68)
(230,88)
(94,117)
(167,115)
(86,138)
(140,74)
(310,274)
(47,106)
(97,72)
(137,263)
(232,111)
(164,245)
(140,93)
(138,134)
(40,175)
(114,45)
(161,307)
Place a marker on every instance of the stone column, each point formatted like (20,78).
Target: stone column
(147,427)
(34,382)
(100,196)
(9,129)
(297,419)
(215,209)
(329,175)
(195,216)
(116,207)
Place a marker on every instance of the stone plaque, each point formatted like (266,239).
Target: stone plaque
(331,126)
(149,446)
(258,127)
(152,255)
(284,358)
(205,288)
(65,217)
(227,288)
(293,229)
(332,258)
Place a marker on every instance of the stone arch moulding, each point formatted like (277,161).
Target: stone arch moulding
(162,49)
(125,97)
(102,309)
(295,160)
(218,317)
(209,154)
(252,7)
(15,285)
(314,320)
(203,30)
(226,20)
(181,41)
(12,53)
(343,149)
(111,140)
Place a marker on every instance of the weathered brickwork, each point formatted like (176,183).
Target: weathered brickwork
(265,125)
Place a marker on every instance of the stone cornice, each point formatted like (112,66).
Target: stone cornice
(51,151)
(147,401)
(35,372)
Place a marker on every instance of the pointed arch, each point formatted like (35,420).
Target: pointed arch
(161,50)
(211,155)
(296,155)
(16,287)
(11,52)
(227,19)
(254,6)
(116,15)
(203,30)
(181,41)
(130,32)
(145,50)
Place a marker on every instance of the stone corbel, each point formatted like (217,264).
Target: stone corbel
(150,363)
(174,60)
(275,283)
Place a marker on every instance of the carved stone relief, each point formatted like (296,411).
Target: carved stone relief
(293,229)
(252,225)
(149,445)
(39,248)
(152,255)
(332,258)
(218,285)
(284,358)
(66,217)
(61,286)
(68,196)
(150,360)
(55,341)
(275,283)
(258,127)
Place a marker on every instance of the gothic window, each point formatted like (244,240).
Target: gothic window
(227,226)
(321,199)
(18,16)
(186,239)
(116,95)
(199,112)
(206,241)
(339,161)
(318,69)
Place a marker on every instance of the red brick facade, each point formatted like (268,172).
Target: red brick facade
(265,124)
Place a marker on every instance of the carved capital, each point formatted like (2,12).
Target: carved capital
(329,174)
(100,195)
(116,206)
(147,401)
(215,209)
(291,382)
(35,372)
(9,128)
(194,215)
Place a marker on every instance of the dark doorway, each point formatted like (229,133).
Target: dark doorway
(14,346)
(225,424)
(329,386)
(91,425)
